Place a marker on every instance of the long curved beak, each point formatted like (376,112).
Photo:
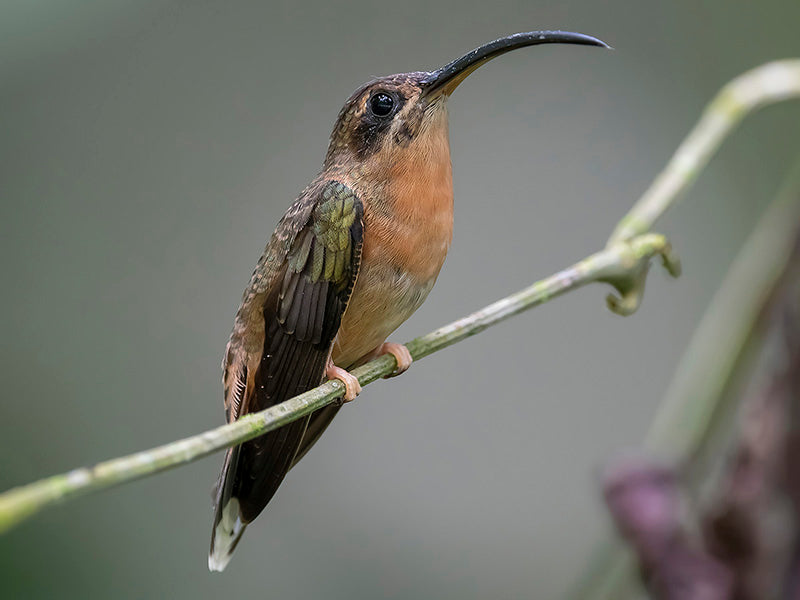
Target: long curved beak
(447,79)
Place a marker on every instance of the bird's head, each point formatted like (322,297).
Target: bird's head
(407,112)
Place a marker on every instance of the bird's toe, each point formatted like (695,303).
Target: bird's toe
(401,355)
(352,387)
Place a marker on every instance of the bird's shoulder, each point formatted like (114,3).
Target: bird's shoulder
(326,210)
(328,205)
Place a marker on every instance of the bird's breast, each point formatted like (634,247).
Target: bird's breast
(407,232)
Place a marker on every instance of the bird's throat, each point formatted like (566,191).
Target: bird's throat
(411,216)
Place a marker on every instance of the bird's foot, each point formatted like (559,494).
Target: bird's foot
(351,386)
(401,355)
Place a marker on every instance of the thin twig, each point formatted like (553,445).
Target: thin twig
(762,86)
(611,264)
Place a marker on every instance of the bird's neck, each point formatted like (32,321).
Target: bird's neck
(419,182)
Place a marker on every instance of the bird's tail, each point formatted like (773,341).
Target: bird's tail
(228,525)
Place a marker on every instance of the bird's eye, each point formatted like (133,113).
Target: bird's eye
(381,104)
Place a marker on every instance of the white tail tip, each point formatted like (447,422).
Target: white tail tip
(225,536)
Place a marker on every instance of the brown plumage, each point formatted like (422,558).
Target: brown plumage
(354,256)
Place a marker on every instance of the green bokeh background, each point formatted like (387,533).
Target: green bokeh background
(148,148)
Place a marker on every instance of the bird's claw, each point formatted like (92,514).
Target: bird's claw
(352,387)
(401,355)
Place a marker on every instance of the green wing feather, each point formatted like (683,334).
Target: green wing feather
(289,317)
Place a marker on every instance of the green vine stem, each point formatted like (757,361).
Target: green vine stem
(611,265)
(762,86)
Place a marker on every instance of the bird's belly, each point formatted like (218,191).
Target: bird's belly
(383,298)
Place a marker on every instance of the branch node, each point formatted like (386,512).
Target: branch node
(629,283)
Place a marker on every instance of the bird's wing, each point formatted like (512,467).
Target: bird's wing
(290,315)
(317,424)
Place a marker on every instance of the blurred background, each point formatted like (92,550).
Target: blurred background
(148,149)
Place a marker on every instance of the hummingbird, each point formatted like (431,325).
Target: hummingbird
(352,259)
